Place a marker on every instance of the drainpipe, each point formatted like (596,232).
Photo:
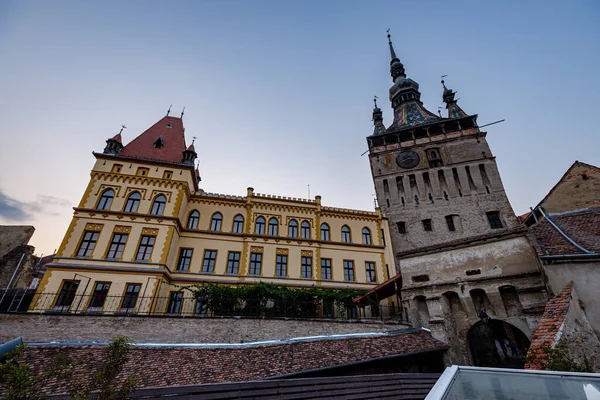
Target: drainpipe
(562,233)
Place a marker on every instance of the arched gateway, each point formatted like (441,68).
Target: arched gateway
(495,343)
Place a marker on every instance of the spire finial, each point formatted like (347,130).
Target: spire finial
(194,139)
(169,110)
(375,101)
(392,52)
(182,112)
(122,127)
(443,83)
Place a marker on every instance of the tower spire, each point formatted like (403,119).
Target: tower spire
(377,118)
(396,67)
(454,111)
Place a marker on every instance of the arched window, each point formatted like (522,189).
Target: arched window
(158,207)
(238,224)
(325,232)
(366,234)
(293,229)
(259,226)
(346,234)
(106,199)
(133,202)
(273,225)
(215,222)
(305,230)
(193,220)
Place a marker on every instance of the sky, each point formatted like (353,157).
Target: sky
(279,93)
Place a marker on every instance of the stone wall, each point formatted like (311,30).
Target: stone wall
(43,328)
(586,280)
(12,236)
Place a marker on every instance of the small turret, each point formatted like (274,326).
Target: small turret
(454,111)
(114,145)
(377,119)
(189,155)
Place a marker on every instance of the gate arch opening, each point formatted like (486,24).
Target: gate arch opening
(495,343)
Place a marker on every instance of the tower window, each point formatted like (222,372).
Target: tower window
(238,224)
(273,227)
(158,144)
(325,232)
(366,235)
(305,231)
(346,234)
(106,199)
(185,258)
(193,220)
(293,228)
(434,158)
(281,265)
(158,207)
(210,259)
(216,222)
(450,223)
(427,225)
(401,226)
(133,202)
(259,226)
(494,219)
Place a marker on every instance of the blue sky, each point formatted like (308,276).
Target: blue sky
(279,93)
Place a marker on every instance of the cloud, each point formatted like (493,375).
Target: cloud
(19,211)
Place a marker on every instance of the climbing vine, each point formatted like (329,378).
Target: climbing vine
(265,299)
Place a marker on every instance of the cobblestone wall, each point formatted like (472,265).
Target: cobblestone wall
(42,328)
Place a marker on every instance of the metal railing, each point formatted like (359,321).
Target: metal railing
(188,306)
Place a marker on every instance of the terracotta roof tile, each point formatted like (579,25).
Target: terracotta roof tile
(185,366)
(582,226)
(173,139)
(550,324)
(117,138)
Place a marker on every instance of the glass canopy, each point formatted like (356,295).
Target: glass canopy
(460,383)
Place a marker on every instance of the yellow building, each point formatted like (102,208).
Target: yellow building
(143,229)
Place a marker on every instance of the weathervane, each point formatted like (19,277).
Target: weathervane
(182,112)
(169,110)
(122,127)
(375,100)
(194,139)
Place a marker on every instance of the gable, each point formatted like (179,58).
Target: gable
(578,188)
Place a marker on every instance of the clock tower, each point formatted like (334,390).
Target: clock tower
(435,177)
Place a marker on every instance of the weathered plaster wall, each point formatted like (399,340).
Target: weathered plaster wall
(586,280)
(40,328)
(579,188)
(13,244)
(12,236)
(579,337)
(510,256)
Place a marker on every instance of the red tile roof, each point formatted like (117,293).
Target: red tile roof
(550,324)
(185,366)
(582,226)
(173,138)
(117,138)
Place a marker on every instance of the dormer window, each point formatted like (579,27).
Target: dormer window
(434,157)
(169,125)
(158,144)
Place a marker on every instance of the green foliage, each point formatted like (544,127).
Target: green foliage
(265,299)
(104,380)
(558,358)
(18,381)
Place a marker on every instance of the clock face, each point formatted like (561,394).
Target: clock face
(407,159)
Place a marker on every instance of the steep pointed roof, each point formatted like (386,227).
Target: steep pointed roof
(171,129)
(117,138)
(410,115)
